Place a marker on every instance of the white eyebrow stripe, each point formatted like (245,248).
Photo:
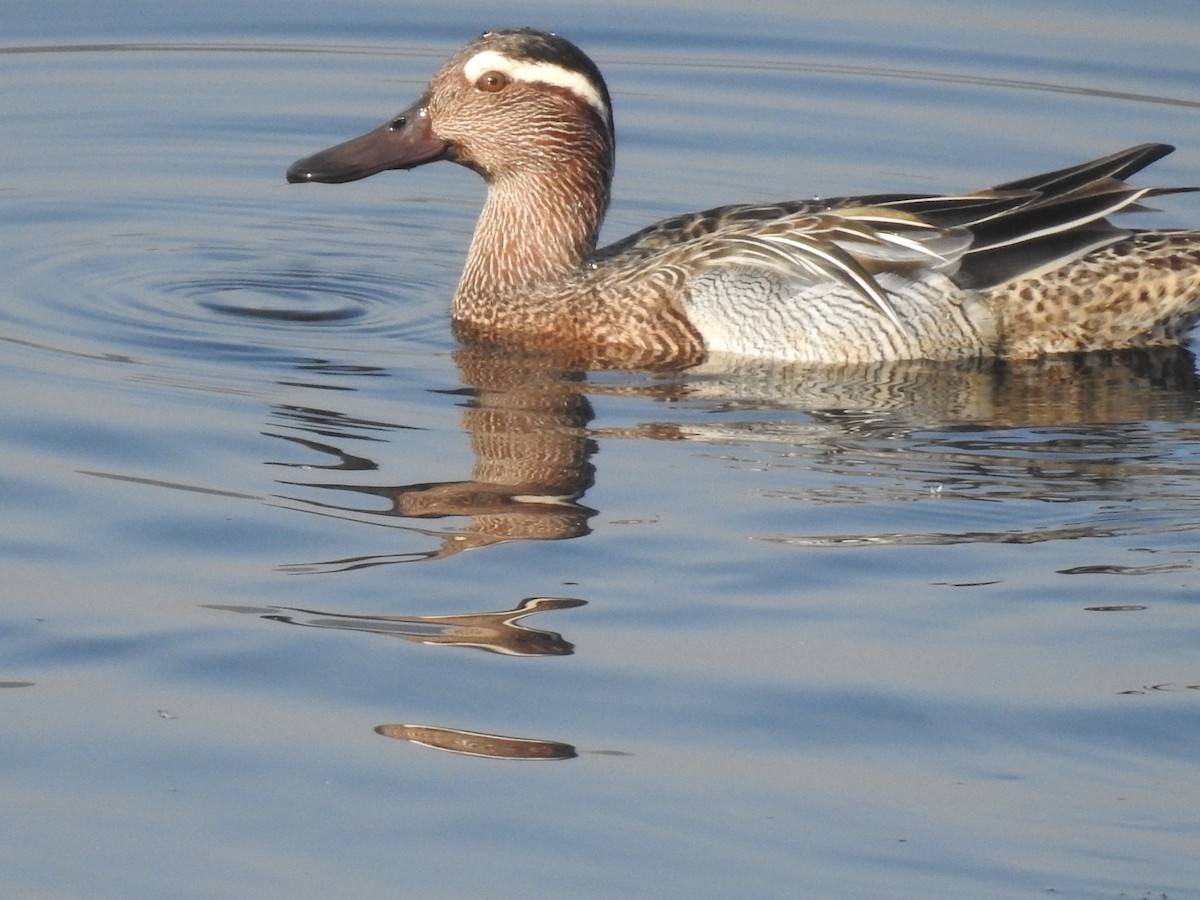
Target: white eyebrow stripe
(544,72)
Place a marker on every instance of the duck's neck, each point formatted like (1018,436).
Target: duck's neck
(538,227)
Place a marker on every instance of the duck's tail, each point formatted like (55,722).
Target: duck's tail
(1062,278)
(1142,291)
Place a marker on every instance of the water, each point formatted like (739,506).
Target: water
(269,534)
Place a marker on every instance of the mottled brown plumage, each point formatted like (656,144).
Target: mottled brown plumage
(1139,292)
(1025,268)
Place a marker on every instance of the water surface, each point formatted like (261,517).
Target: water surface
(302,599)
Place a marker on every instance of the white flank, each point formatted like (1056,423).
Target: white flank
(542,72)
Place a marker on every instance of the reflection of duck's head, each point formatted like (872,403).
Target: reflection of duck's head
(1022,269)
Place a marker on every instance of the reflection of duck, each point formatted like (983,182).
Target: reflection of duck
(1062,389)
(533,439)
(1026,268)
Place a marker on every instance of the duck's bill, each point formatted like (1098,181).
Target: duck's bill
(402,143)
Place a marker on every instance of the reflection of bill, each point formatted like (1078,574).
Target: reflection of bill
(496,632)
(475,743)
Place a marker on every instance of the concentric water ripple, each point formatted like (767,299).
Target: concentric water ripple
(152,294)
(169,239)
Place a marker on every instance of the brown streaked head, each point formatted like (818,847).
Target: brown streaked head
(507,102)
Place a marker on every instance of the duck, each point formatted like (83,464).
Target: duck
(1022,269)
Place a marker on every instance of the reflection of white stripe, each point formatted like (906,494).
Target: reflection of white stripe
(544,72)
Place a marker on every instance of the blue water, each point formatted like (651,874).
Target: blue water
(269,534)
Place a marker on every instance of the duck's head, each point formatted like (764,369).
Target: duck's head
(510,102)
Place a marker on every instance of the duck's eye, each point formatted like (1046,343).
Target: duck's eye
(491,82)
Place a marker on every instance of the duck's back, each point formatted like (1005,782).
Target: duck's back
(1021,269)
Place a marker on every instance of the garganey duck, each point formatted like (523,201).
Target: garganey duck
(1025,268)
